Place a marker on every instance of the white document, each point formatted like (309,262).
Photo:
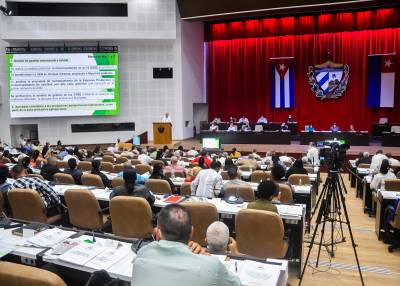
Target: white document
(50,237)
(258,274)
(291,210)
(82,253)
(109,257)
(123,268)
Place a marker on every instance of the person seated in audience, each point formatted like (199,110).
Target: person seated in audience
(27,149)
(158,173)
(73,171)
(392,161)
(45,149)
(214,127)
(21,141)
(218,240)
(244,120)
(208,182)
(63,152)
(59,145)
(234,180)
(131,188)
(313,154)
(384,174)
(77,154)
(97,152)
(363,159)
(351,128)
(89,156)
(228,164)
(179,152)
(278,176)
(285,159)
(51,201)
(192,152)
(140,179)
(334,128)
(262,120)
(246,127)
(70,155)
(4,187)
(232,127)
(144,158)
(376,160)
(255,155)
(277,161)
(204,155)
(35,156)
(25,162)
(172,259)
(309,128)
(116,145)
(174,167)
(96,171)
(284,127)
(235,154)
(202,164)
(49,169)
(6,154)
(297,168)
(266,191)
(289,119)
(268,158)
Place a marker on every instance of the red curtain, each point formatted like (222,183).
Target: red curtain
(315,24)
(239,80)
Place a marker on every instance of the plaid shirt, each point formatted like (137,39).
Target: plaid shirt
(46,192)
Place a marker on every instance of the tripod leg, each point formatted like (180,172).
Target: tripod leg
(343,201)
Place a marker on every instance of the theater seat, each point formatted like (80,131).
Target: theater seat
(131,217)
(13,274)
(202,215)
(62,178)
(286,195)
(92,180)
(245,192)
(260,234)
(299,179)
(258,176)
(158,186)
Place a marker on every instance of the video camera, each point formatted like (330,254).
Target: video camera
(333,153)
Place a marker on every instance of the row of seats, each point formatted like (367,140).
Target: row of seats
(131,217)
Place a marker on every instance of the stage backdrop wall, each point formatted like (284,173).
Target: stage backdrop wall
(239,70)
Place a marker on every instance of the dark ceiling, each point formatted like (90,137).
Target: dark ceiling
(220,10)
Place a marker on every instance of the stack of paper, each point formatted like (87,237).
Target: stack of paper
(50,237)
(82,253)
(254,273)
(109,257)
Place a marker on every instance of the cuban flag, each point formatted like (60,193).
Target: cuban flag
(282,82)
(381,79)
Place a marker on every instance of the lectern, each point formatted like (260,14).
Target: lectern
(162,133)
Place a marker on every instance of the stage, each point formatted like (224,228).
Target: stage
(294,149)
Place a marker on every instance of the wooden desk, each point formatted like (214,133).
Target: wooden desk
(384,199)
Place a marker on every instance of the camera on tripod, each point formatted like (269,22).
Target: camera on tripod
(333,153)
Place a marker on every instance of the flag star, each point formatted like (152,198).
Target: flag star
(388,63)
(282,67)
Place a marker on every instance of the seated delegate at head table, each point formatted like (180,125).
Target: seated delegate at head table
(284,127)
(334,128)
(232,127)
(262,120)
(309,128)
(170,262)
(289,119)
(214,127)
(351,128)
(244,120)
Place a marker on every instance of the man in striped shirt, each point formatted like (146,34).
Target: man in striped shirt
(49,197)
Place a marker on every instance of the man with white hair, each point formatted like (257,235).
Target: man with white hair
(192,152)
(365,159)
(144,158)
(218,240)
(174,167)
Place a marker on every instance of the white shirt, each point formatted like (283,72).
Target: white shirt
(207,184)
(166,119)
(244,120)
(376,161)
(313,155)
(394,162)
(67,157)
(144,159)
(378,178)
(286,159)
(192,153)
(21,142)
(232,128)
(262,120)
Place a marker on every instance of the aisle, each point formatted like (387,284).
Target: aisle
(381,267)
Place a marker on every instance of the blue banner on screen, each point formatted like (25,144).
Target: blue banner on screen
(381,80)
(282,82)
